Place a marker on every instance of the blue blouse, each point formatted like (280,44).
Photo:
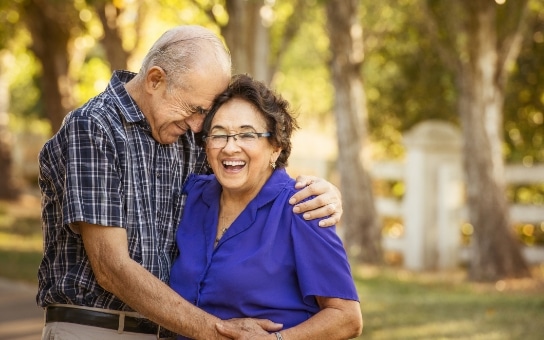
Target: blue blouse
(270,263)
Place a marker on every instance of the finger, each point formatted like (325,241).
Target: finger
(227,330)
(326,211)
(332,220)
(242,328)
(316,202)
(270,326)
(313,188)
(303,181)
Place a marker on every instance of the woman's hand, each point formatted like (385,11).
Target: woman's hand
(248,329)
(327,203)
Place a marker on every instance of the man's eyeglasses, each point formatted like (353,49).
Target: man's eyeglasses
(247,139)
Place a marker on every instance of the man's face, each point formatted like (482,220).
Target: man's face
(174,111)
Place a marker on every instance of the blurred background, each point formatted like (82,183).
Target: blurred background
(427,114)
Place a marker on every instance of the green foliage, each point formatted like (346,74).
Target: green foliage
(93,79)
(304,79)
(405,81)
(9,19)
(524,104)
(22,72)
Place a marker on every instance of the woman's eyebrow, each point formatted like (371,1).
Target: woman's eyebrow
(242,127)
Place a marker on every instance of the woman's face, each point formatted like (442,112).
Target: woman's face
(242,166)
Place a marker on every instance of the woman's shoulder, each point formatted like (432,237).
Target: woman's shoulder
(286,189)
(196,182)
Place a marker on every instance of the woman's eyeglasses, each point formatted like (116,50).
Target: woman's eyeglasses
(247,139)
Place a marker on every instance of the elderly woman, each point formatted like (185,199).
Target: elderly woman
(243,252)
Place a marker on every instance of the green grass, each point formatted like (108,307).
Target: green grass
(20,239)
(396,304)
(20,265)
(400,305)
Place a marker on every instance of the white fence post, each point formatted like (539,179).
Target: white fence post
(450,193)
(430,146)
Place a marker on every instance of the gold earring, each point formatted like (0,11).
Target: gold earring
(273,165)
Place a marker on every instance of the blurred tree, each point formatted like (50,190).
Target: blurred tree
(256,50)
(362,225)
(61,43)
(479,39)
(112,40)
(53,25)
(8,188)
(247,36)
(303,72)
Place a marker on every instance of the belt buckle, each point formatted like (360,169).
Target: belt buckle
(168,335)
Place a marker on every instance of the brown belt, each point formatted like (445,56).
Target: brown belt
(100,319)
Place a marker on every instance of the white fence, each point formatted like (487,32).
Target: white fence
(432,210)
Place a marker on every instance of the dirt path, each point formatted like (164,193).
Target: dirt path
(20,317)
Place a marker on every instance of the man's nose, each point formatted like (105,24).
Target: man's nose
(195,122)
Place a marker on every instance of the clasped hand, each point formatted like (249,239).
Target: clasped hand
(248,329)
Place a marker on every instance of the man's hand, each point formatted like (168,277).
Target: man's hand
(327,203)
(248,329)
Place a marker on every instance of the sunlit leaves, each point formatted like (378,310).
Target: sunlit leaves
(524,105)
(304,79)
(94,76)
(405,81)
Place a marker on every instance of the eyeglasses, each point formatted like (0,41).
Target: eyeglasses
(247,139)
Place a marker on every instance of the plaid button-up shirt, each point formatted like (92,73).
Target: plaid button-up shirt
(103,167)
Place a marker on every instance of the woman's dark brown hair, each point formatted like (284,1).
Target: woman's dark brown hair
(280,121)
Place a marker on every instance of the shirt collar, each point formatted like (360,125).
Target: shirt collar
(127,106)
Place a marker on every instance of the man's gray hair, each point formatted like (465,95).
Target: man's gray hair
(179,50)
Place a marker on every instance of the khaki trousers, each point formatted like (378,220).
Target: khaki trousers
(72,331)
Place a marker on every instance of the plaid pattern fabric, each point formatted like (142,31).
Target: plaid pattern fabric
(103,167)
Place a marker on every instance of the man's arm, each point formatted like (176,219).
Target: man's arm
(327,203)
(116,272)
(337,319)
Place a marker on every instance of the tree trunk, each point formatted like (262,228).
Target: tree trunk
(495,253)
(112,40)
(247,39)
(360,219)
(50,25)
(8,188)
(247,35)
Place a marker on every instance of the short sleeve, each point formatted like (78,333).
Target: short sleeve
(93,184)
(321,262)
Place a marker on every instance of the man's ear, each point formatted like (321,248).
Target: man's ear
(155,78)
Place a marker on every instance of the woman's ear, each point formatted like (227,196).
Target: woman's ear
(275,155)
